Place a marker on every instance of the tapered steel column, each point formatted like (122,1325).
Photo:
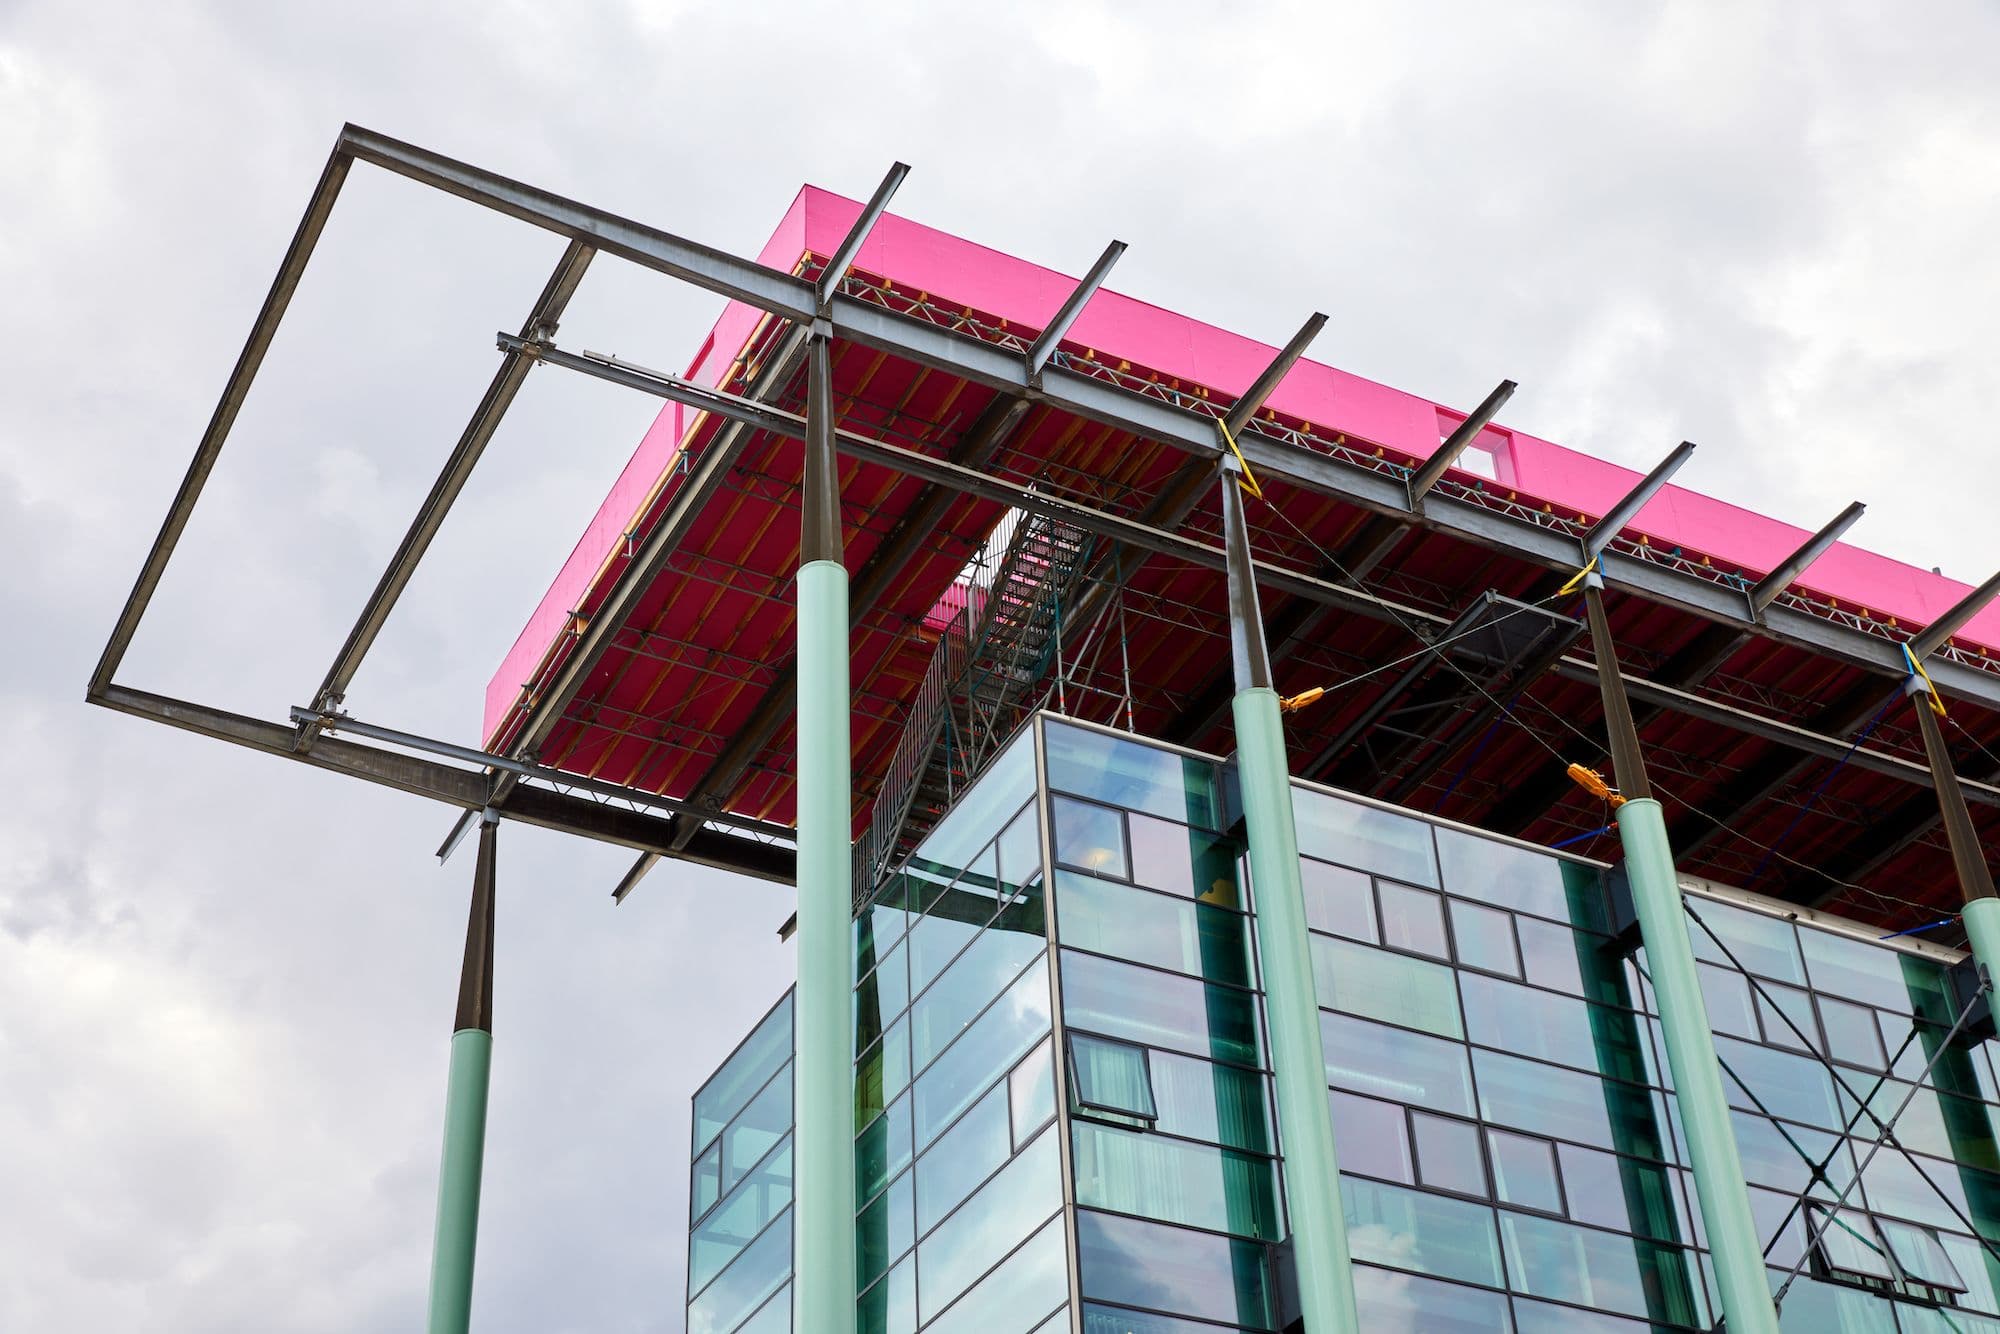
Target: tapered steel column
(823,1143)
(1975,878)
(1305,1121)
(465,1108)
(1744,1288)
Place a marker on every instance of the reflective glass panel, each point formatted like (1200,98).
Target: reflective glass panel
(742,1287)
(1574,962)
(1617,1192)
(1389,1063)
(1005,1209)
(1021,850)
(880,997)
(1018,1294)
(1852,1034)
(1920,1255)
(1813,1307)
(1152,1265)
(998,1038)
(1448,1156)
(1410,1229)
(1484,938)
(1128,773)
(1031,1095)
(882,1149)
(967,987)
(1377,984)
(1790,1085)
(762,1124)
(1133,1172)
(1178,860)
(1555,1028)
(1222,1104)
(722,1236)
(706,1186)
(1090,837)
(1339,901)
(773,1317)
(1876,975)
(1547,1258)
(962,1157)
(1159,1010)
(981,809)
(883,1231)
(1524,1171)
(1507,876)
(1391,1302)
(1111,1077)
(1145,927)
(882,1073)
(1101,1319)
(890,1307)
(743,1074)
(1373,1137)
(1725,994)
(1787,1016)
(1352,834)
(1763,944)
(1527,1095)
(1412,919)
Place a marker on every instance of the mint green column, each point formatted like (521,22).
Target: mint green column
(823,1142)
(1291,1005)
(1982,927)
(1744,1288)
(457,1232)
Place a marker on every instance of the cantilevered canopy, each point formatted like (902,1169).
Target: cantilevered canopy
(648,701)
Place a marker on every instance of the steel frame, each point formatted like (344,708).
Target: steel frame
(1026,375)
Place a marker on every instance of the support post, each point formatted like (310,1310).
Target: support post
(1975,878)
(823,1063)
(1305,1120)
(1744,1287)
(465,1107)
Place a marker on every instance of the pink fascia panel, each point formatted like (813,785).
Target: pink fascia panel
(1120,327)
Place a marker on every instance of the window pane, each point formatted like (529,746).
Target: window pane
(995,1041)
(1851,1034)
(883,1231)
(1813,1307)
(1396,1303)
(980,810)
(1338,900)
(1570,961)
(1375,840)
(706,1187)
(1485,938)
(1527,1095)
(882,1150)
(963,1157)
(1129,774)
(890,1307)
(1876,974)
(1412,919)
(1542,1318)
(1917,1250)
(1777,1004)
(1506,876)
(1090,837)
(1553,1028)
(1101,1319)
(1144,927)
(881,996)
(1176,1182)
(956,999)
(998,1215)
(722,1236)
(1388,1063)
(1222,1104)
(1189,862)
(1725,994)
(1158,1010)
(1789,1085)
(1032,1095)
(755,1275)
(937,938)
(1617,1192)
(1546,1258)
(1360,979)
(1373,1137)
(1021,850)
(762,1124)
(1408,1229)
(1015,1297)
(1524,1171)
(1848,1244)
(1763,944)
(882,1073)
(774,1317)
(1448,1156)
(1111,1077)
(1152,1265)
(743,1074)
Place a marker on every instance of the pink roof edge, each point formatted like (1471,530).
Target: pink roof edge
(1000,285)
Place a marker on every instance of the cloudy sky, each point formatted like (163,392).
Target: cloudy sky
(226,983)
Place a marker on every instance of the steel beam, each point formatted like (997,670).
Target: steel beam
(1975,878)
(1627,509)
(514,366)
(1455,444)
(630,880)
(1628,762)
(234,391)
(1933,636)
(1058,327)
(1240,413)
(850,246)
(1768,589)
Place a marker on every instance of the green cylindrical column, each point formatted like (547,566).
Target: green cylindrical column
(1305,1121)
(822,1027)
(1982,927)
(823,1144)
(1718,1172)
(465,1108)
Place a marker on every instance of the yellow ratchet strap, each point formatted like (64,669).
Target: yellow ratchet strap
(1248,480)
(1576,580)
(1917,669)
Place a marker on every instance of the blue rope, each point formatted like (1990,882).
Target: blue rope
(1478,749)
(1813,800)
(1579,838)
(1927,926)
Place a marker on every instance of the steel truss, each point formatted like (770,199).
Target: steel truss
(1025,374)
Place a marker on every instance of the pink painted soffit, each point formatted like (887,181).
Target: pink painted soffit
(1121,327)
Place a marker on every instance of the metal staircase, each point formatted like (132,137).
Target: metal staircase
(991,657)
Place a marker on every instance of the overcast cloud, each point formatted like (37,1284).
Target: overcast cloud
(226,983)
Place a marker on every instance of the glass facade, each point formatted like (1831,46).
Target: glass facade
(1065,1096)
